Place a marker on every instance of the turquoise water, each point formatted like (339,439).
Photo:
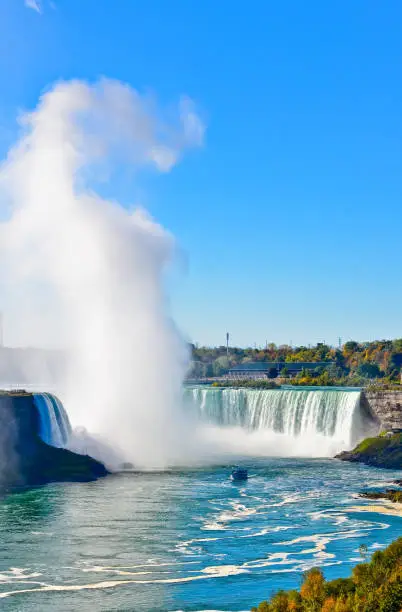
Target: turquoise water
(185,540)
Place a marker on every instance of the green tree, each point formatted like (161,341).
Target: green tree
(340,587)
(264,606)
(313,590)
(209,370)
(395,362)
(351,346)
(220,366)
(335,371)
(391,596)
(368,370)
(197,369)
(318,371)
(363,550)
(397,345)
(279,602)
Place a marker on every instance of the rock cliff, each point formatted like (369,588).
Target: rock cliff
(25,459)
(385,406)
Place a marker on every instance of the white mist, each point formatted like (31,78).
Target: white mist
(86,273)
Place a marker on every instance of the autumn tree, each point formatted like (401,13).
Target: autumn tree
(313,590)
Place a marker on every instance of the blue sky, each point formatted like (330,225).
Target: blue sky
(290,216)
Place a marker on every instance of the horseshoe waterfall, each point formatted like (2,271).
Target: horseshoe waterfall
(318,422)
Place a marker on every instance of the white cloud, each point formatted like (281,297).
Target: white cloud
(34,4)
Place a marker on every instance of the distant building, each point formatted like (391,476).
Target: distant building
(260,369)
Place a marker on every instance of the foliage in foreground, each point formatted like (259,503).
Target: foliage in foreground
(373,587)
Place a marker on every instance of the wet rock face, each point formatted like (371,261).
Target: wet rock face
(25,459)
(385,406)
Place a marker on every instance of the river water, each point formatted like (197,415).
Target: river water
(186,539)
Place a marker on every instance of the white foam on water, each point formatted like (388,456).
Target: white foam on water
(219,571)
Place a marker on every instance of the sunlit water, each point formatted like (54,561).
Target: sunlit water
(185,540)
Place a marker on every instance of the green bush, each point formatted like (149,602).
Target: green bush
(373,587)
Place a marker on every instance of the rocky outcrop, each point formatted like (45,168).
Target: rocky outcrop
(385,407)
(392,495)
(382,451)
(25,459)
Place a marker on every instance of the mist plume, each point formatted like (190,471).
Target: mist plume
(86,273)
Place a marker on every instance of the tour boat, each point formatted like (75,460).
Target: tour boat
(239,474)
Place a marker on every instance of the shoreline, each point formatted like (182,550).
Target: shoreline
(390,508)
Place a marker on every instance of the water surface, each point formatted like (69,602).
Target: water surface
(185,540)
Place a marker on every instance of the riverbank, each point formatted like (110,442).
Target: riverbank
(391,501)
(373,585)
(384,451)
(390,509)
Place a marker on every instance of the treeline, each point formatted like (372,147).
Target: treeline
(373,587)
(352,363)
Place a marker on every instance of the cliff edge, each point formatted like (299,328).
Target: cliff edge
(384,451)
(25,459)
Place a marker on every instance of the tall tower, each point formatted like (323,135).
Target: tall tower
(227,345)
(1,329)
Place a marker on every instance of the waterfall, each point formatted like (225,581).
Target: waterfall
(332,415)
(54,426)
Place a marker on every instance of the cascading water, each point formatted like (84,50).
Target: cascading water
(334,417)
(54,425)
